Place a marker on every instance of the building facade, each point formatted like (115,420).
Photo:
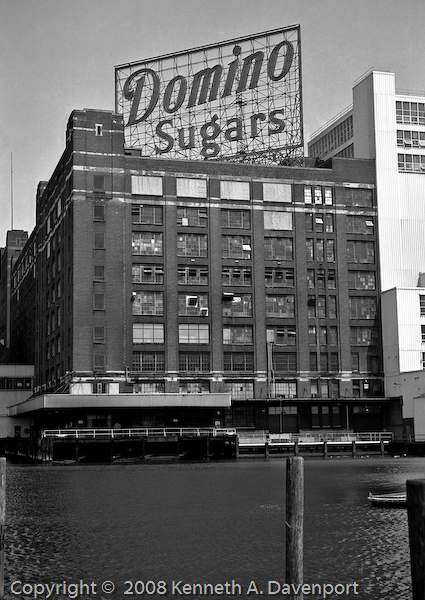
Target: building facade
(185,292)
(388,126)
(15,241)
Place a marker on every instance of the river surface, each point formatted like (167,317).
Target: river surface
(206,522)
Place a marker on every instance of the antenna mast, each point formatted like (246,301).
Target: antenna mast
(11,191)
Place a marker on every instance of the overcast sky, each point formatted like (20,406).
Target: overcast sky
(59,55)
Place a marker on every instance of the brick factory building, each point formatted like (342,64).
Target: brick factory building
(171,292)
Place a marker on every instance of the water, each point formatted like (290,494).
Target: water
(208,522)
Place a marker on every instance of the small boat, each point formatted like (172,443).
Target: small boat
(394,500)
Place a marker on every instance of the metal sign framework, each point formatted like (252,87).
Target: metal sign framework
(237,101)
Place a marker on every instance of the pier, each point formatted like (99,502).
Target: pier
(133,444)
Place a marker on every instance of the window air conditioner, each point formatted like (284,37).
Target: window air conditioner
(192,301)
(185,221)
(204,312)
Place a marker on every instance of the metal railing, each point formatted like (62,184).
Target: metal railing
(97,433)
(315,438)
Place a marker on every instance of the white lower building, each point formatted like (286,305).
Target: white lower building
(388,125)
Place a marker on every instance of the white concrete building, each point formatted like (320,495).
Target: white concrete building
(389,126)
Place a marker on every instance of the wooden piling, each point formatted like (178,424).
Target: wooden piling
(325,449)
(266,449)
(294,520)
(296,448)
(382,447)
(416,520)
(2,521)
(353,449)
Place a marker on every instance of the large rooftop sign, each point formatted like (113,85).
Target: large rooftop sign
(238,100)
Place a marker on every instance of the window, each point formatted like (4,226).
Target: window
(330,250)
(311,307)
(280,306)
(313,361)
(146,214)
(238,361)
(188,216)
(332,307)
(286,389)
(192,245)
(147,243)
(192,275)
(361,280)
(193,305)
(307,194)
(355,361)
(321,307)
(363,336)
(360,252)
(98,362)
(148,303)
(148,333)
(284,335)
(237,335)
(362,307)
(147,273)
(235,246)
(237,219)
(98,129)
(309,249)
(149,387)
(148,361)
(193,333)
(310,279)
(312,335)
(324,362)
(278,248)
(422,305)
(279,277)
(239,390)
(239,306)
(98,183)
(423,334)
(358,197)
(99,301)
(309,222)
(334,361)
(194,362)
(99,273)
(323,335)
(236,276)
(99,334)
(318,195)
(360,225)
(328,197)
(284,362)
(98,212)
(99,241)
(333,335)
(194,387)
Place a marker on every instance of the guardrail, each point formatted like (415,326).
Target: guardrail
(136,432)
(306,438)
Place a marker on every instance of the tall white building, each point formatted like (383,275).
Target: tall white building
(388,125)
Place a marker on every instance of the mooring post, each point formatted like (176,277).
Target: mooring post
(2,521)
(353,449)
(416,519)
(325,449)
(266,449)
(382,448)
(294,520)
